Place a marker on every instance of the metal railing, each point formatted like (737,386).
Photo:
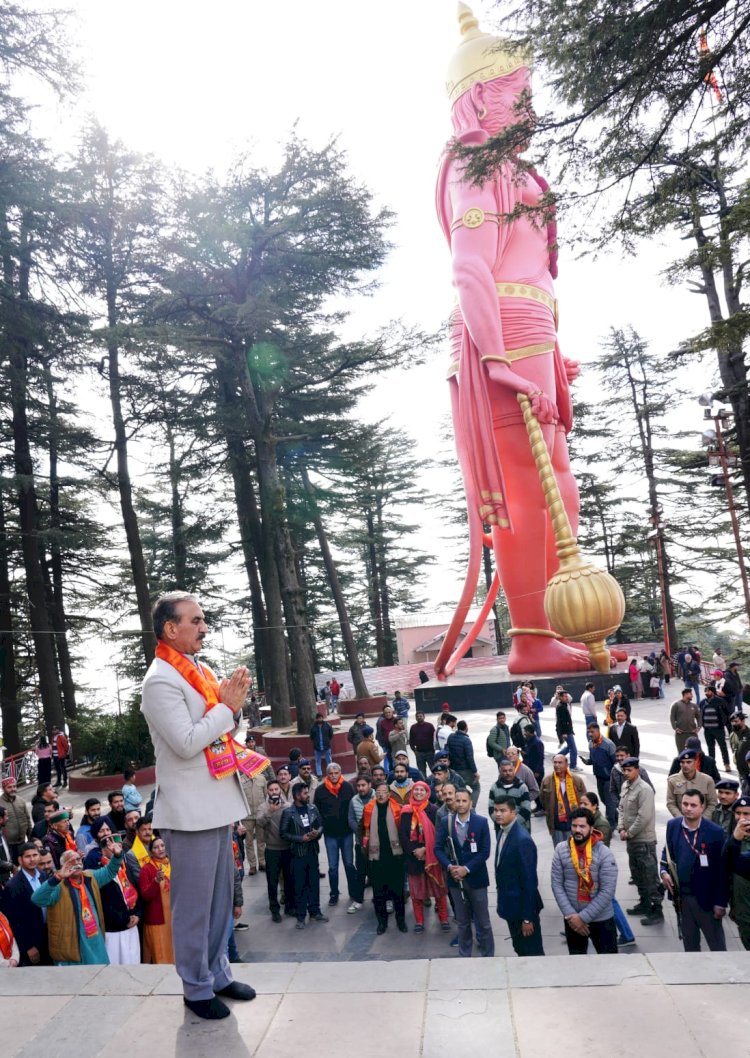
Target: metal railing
(22,767)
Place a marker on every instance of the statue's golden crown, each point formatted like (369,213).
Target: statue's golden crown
(480,56)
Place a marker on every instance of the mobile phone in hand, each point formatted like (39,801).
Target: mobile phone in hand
(117,838)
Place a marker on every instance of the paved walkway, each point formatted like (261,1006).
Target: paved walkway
(691,1005)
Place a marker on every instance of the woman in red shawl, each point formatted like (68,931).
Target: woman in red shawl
(416,831)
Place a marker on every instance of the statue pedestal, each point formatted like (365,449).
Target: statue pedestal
(493,688)
(276,743)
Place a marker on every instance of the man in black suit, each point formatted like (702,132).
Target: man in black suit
(462,846)
(518,899)
(26,919)
(623,733)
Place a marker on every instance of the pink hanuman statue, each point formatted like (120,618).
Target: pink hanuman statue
(504,343)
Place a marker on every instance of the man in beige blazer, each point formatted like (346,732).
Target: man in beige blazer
(193,810)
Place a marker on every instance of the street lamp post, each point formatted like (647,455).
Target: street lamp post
(715,438)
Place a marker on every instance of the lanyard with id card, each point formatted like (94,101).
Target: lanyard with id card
(473,844)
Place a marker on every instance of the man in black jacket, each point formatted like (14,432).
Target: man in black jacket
(733,685)
(26,919)
(715,719)
(302,826)
(461,752)
(332,799)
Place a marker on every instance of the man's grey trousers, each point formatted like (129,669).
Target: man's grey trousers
(202,893)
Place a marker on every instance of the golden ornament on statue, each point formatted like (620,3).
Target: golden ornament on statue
(582,602)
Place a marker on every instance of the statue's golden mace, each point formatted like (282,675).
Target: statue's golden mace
(582,602)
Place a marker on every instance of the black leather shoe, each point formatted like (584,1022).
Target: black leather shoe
(208,1009)
(275,916)
(639,909)
(402,927)
(319,917)
(236,990)
(382,927)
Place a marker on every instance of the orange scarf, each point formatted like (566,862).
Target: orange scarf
(70,844)
(129,894)
(225,756)
(369,808)
(519,762)
(570,791)
(88,916)
(6,938)
(333,788)
(422,832)
(581,859)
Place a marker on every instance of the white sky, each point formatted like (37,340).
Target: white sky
(195,82)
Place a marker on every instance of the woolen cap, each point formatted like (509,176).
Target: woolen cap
(741,802)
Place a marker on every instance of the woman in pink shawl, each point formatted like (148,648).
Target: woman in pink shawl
(416,831)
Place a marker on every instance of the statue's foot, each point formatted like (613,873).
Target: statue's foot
(537,654)
(615,654)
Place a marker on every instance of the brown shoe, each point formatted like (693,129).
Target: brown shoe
(252,870)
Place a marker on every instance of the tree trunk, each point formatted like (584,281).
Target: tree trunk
(179,550)
(57,608)
(389,651)
(352,654)
(28,507)
(125,487)
(373,589)
(268,632)
(276,531)
(11,714)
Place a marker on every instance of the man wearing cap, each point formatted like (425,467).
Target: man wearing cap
(354,735)
(692,863)
(305,775)
(442,772)
(739,740)
(636,824)
(19,824)
(733,685)
(715,719)
(737,862)
(689,777)
(685,718)
(727,790)
(59,837)
(702,761)
(402,757)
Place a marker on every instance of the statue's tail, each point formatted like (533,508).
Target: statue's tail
(450,654)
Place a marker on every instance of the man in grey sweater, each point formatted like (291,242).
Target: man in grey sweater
(636,823)
(584,882)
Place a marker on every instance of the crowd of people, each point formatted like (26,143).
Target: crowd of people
(413,833)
